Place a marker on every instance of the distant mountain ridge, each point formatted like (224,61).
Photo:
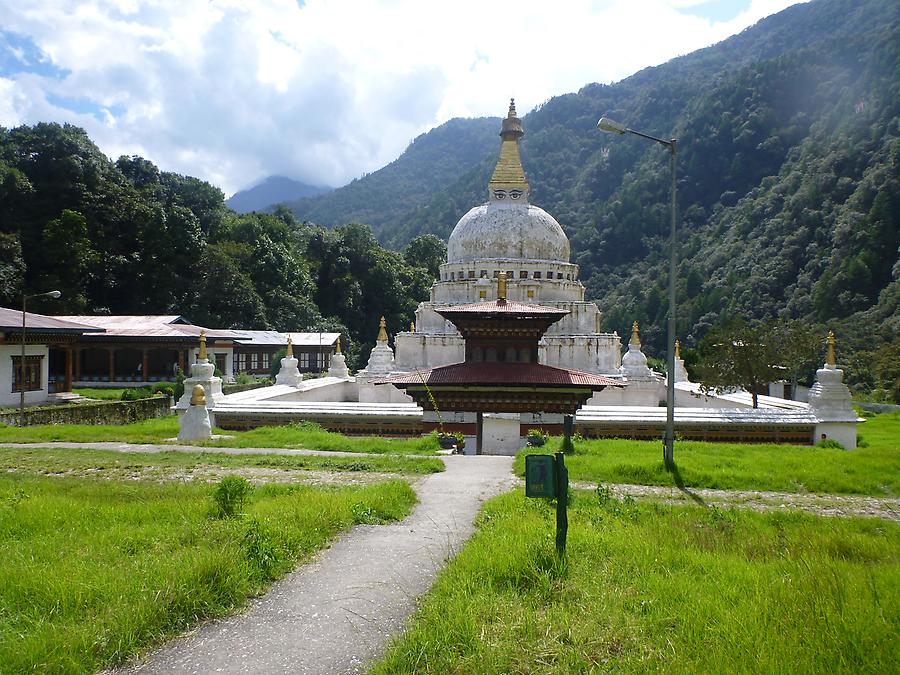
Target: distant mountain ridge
(272,190)
(789,145)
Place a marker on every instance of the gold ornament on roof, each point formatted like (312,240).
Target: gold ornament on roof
(635,335)
(338,350)
(677,349)
(290,347)
(203,344)
(198,395)
(382,330)
(501,287)
(412,326)
(830,358)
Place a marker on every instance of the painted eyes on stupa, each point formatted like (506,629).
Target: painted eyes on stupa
(513,194)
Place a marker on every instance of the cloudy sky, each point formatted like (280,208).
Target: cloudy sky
(320,90)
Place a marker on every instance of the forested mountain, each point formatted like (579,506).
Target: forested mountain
(788,164)
(271,191)
(124,237)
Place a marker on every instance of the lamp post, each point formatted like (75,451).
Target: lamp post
(48,294)
(606,124)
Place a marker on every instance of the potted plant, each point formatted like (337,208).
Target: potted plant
(446,440)
(536,437)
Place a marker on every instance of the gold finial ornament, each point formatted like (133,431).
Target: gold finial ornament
(203,344)
(290,347)
(412,326)
(198,395)
(635,335)
(830,358)
(677,349)
(501,287)
(508,180)
(382,330)
(338,350)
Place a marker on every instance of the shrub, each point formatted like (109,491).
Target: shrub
(136,393)
(164,388)
(829,443)
(230,494)
(244,378)
(179,384)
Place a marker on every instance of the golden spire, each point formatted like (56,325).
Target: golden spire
(290,347)
(830,358)
(202,344)
(382,330)
(198,395)
(635,335)
(412,326)
(501,287)
(338,349)
(509,176)
(677,349)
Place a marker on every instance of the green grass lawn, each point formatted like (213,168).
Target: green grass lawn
(100,393)
(654,588)
(871,470)
(163,429)
(96,570)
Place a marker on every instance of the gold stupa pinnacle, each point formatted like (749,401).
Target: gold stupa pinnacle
(202,344)
(501,287)
(412,326)
(290,347)
(338,348)
(198,395)
(830,358)
(635,335)
(677,349)
(382,330)
(508,174)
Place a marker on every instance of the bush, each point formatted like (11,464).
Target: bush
(244,378)
(179,384)
(164,388)
(230,494)
(136,393)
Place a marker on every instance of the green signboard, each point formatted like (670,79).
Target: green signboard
(540,476)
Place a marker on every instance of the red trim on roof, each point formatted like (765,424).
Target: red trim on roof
(502,374)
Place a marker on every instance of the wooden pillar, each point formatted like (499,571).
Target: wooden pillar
(112,364)
(479,433)
(181,361)
(145,362)
(78,358)
(69,356)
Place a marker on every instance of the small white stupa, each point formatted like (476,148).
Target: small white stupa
(681,374)
(289,374)
(830,402)
(194,424)
(202,373)
(338,365)
(634,364)
(381,358)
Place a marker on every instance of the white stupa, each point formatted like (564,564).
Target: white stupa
(507,234)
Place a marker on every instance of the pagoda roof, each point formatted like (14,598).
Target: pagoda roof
(504,307)
(502,374)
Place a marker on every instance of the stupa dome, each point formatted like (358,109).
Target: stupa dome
(508,226)
(497,230)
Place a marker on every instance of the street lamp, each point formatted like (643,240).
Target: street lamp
(48,294)
(606,124)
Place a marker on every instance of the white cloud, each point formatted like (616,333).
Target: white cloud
(232,91)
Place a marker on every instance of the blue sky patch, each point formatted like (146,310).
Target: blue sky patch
(718,10)
(85,106)
(19,54)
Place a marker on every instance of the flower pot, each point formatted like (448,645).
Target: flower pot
(446,441)
(535,441)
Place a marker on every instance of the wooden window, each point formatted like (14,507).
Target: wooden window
(266,360)
(254,361)
(240,363)
(32,373)
(304,360)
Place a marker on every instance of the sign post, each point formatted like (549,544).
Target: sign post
(547,476)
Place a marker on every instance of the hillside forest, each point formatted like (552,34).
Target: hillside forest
(788,191)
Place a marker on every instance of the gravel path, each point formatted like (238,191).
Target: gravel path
(338,612)
(762,500)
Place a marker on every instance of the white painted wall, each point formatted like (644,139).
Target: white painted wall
(501,434)
(7,396)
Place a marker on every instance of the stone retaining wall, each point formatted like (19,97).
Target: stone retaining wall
(102,412)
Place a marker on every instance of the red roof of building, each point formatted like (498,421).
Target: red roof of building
(502,374)
(11,320)
(502,307)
